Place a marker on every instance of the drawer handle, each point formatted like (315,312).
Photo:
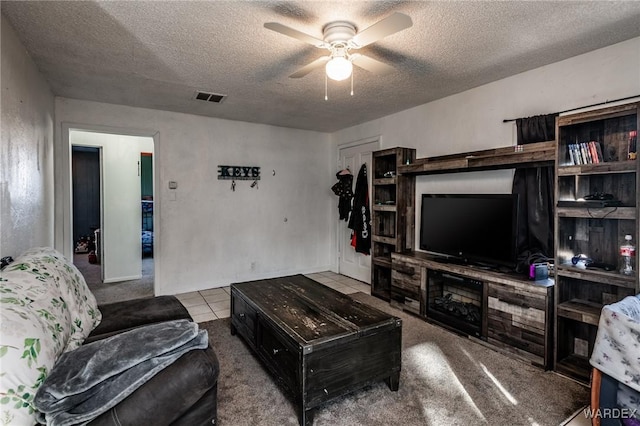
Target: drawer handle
(277,351)
(524,305)
(242,316)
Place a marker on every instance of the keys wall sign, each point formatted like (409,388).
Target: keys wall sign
(238,173)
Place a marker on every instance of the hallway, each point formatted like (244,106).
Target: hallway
(115,292)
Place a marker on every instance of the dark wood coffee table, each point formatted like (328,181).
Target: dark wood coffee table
(316,342)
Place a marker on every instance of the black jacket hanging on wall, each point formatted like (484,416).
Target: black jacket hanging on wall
(343,190)
(360,220)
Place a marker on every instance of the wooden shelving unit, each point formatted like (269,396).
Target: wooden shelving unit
(531,155)
(392,214)
(410,270)
(573,307)
(595,233)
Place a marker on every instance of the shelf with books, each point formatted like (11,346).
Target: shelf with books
(597,190)
(585,153)
(611,138)
(626,166)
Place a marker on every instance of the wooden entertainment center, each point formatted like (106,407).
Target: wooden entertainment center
(551,323)
(515,314)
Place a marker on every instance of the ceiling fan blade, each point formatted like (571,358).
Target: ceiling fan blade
(283,29)
(310,67)
(372,65)
(389,25)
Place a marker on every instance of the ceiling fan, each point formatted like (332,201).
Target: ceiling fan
(340,38)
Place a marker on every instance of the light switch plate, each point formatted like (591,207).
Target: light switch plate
(173,184)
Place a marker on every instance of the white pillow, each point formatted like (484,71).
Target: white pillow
(46,308)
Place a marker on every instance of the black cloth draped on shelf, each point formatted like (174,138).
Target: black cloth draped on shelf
(360,220)
(534,186)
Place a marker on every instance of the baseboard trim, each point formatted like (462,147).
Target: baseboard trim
(574,416)
(120,279)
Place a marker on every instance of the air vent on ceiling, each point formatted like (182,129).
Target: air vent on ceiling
(210,97)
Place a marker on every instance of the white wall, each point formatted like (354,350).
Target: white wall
(473,120)
(26,151)
(121,224)
(207,235)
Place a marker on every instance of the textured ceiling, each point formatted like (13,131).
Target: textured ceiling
(156,54)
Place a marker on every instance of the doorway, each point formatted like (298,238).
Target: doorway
(119,245)
(86,189)
(146,195)
(353,156)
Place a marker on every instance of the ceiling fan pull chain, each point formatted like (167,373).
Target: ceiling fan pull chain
(351,84)
(326,98)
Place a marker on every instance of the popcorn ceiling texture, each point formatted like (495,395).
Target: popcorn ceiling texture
(157,54)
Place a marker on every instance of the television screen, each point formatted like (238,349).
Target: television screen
(474,228)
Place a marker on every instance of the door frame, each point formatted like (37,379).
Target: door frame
(64,233)
(364,141)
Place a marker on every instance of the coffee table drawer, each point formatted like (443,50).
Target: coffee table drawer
(244,318)
(279,355)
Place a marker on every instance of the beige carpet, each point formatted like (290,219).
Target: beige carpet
(445,380)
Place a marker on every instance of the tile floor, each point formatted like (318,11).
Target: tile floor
(212,304)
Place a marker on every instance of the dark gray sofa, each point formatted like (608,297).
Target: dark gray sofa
(185,393)
(52,331)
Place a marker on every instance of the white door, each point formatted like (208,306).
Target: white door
(122,211)
(350,263)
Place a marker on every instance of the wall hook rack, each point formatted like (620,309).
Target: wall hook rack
(238,172)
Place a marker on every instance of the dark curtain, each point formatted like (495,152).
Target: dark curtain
(534,187)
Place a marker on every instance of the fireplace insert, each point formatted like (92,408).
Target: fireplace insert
(455,302)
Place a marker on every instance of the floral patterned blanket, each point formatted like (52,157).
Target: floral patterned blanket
(617,349)
(46,309)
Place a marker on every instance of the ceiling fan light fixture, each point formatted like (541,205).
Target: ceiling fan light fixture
(339,68)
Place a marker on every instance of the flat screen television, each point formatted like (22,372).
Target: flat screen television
(471,228)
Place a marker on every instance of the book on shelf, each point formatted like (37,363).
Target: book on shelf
(572,158)
(576,153)
(585,153)
(594,152)
(599,151)
(633,142)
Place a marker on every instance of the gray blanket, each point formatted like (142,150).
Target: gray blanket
(92,379)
